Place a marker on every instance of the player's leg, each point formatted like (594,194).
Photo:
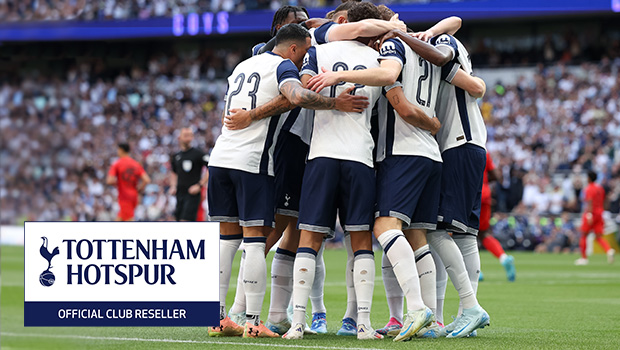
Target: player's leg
(599,229)
(585,230)
(441,279)
(457,200)
(317,217)
(319,316)
(282,276)
(223,208)
(349,320)
(394,295)
(357,198)
(424,218)
(303,278)
(255,198)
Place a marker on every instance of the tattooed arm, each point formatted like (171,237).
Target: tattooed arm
(305,98)
(239,118)
(410,113)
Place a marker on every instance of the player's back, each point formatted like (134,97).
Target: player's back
(420,83)
(128,172)
(458,112)
(336,134)
(254,82)
(596,194)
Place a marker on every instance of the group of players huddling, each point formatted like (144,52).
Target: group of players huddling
(351,116)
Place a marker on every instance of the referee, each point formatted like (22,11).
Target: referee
(185,179)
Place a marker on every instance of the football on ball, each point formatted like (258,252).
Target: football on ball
(47,278)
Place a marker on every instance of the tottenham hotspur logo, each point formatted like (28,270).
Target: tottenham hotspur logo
(47,278)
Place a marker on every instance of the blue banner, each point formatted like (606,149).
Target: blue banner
(220,23)
(121,314)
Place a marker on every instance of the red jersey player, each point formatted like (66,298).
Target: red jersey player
(489,242)
(592,219)
(126,173)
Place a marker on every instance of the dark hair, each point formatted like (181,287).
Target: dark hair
(291,32)
(280,16)
(363,10)
(386,12)
(345,6)
(124,146)
(592,176)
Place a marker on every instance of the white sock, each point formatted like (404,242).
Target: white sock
(468,245)
(401,256)
(303,278)
(254,276)
(239,304)
(281,284)
(441,279)
(228,247)
(316,294)
(452,258)
(502,258)
(393,292)
(351,311)
(426,271)
(364,280)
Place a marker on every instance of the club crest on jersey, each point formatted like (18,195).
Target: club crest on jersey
(444,39)
(187,165)
(388,48)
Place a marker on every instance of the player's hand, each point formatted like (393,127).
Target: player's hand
(172,190)
(424,36)
(316,22)
(436,126)
(323,80)
(346,102)
(237,119)
(398,24)
(389,35)
(194,189)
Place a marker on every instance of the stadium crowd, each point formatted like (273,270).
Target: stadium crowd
(58,138)
(44,10)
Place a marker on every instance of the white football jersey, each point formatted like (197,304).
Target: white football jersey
(253,83)
(420,83)
(336,134)
(458,112)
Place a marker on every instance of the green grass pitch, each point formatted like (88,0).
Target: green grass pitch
(552,305)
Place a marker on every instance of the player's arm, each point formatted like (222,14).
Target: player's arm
(145,180)
(448,25)
(411,113)
(392,60)
(305,98)
(238,118)
(364,29)
(473,85)
(438,55)
(380,76)
(111,178)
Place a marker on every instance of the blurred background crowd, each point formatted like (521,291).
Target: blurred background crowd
(44,10)
(61,118)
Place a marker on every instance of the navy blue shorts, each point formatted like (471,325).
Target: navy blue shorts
(461,189)
(408,189)
(240,196)
(331,186)
(289,165)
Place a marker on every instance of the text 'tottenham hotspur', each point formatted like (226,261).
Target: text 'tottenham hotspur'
(127,249)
